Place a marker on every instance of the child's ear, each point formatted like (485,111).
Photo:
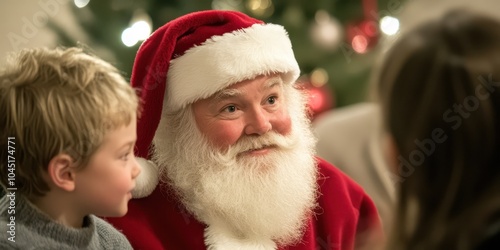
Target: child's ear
(61,172)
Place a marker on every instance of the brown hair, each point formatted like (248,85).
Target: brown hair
(440,92)
(57,101)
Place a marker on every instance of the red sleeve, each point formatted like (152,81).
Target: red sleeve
(369,230)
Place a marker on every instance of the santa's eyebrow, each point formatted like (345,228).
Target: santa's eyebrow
(273,82)
(227,93)
(230,93)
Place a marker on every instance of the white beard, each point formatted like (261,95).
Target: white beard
(242,198)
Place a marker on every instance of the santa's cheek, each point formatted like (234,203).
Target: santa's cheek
(282,124)
(226,133)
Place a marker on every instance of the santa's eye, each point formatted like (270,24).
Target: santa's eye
(271,100)
(230,109)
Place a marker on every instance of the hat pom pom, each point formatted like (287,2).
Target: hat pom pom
(147,180)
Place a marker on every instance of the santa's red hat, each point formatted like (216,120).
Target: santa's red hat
(195,56)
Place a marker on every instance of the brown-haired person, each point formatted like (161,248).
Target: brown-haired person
(441,105)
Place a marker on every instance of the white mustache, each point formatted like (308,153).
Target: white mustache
(270,139)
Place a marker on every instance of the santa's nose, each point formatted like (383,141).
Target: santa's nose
(258,122)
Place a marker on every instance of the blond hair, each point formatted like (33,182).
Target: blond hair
(58,101)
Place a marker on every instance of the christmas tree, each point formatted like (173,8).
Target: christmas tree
(335,42)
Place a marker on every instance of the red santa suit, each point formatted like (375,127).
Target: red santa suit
(191,58)
(346,217)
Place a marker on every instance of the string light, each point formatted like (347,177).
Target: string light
(319,77)
(227,5)
(326,32)
(129,38)
(389,25)
(140,29)
(81,3)
(360,44)
(262,8)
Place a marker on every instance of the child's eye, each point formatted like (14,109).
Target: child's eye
(125,157)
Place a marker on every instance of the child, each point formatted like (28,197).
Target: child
(441,103)
(67,139)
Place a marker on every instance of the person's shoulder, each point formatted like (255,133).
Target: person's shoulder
(339,194)
(4,204)
(7,240)
(15,238)
(109,235)
(6,244)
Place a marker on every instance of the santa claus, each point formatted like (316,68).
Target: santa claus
(228,153)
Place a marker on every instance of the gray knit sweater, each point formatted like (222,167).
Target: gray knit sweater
(35,230)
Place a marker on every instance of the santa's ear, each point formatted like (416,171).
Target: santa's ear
(61,172)
(147,180)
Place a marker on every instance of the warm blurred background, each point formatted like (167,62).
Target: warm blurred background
(336,42)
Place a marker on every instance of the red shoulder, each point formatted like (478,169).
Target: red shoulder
(342,195)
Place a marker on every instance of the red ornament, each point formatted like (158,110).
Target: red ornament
(363,34)
(320,99)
